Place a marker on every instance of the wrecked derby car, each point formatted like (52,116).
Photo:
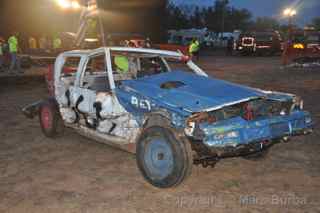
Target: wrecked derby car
(163,107)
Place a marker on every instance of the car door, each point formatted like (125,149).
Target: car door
(84,92)
(113,118)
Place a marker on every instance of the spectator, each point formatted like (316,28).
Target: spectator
(1,54)
(148,43)
(230,44)
(13,49)
(194,48)
(56,44)
(43,43)
(32,44)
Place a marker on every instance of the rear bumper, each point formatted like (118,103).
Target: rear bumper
(246,48)
(237,136)
(31,110)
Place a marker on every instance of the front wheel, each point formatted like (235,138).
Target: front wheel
(163,160)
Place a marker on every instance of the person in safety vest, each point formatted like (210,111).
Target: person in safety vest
(13,50)
(194,48)
(122,64)
(56,43)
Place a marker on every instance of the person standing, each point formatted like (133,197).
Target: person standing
(13,50)
(194,48)
(1,54)
(207,41)
(56,44)
(148,43)
(32,44)
(43,43)
(230,45)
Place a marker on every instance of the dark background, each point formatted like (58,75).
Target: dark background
(43,17)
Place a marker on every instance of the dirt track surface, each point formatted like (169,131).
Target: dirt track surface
(74,174)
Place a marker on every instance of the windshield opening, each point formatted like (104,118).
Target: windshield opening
(128,66)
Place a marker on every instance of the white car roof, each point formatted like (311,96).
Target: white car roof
(164,53)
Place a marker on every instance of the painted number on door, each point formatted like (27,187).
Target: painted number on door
(142,104)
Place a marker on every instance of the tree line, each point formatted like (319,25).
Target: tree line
(221,17)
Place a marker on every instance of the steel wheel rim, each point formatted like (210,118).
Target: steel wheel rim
(158,158)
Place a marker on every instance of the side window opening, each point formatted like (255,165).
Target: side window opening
(178,65)
(151,66)
(95,76)
(69,70)
(126,66)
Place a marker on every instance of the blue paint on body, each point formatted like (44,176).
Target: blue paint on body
(198,93)
(245,132)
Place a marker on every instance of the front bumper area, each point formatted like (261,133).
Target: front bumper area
(236,136)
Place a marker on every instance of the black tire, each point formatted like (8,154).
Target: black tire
(163,160)
(52,126)
(257,156)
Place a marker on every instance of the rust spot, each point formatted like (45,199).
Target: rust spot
(131,147)
(202,117)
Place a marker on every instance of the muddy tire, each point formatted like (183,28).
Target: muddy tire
(257,156)
(163,160)
(50,119)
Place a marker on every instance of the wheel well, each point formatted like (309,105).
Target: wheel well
(157,119)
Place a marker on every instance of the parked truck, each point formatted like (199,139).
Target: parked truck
(302,48)
(260,43)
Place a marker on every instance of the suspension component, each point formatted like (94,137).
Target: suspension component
(206,162)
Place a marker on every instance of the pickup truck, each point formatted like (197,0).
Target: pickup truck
(261,43)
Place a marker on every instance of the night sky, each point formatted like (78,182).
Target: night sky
(307,9)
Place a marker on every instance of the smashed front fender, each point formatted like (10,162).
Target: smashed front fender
(238,131)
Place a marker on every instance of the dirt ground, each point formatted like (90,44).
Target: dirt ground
(75,174)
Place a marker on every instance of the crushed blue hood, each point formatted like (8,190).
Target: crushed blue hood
(195,93)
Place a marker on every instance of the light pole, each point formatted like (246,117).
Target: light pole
(290,13)
(223,3)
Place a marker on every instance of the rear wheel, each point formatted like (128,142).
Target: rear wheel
(50,119)
(163,160)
